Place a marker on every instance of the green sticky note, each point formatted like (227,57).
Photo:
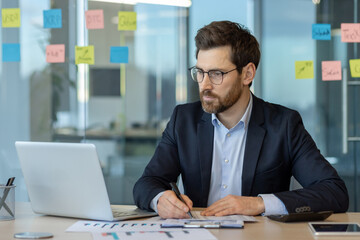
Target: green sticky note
(127,21)
(304,69)
(10,17)
(355,67)
(84,55)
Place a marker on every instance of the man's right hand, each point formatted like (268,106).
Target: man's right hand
(169,206)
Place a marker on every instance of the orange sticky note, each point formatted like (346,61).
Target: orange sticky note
(331,70)
(94,19)
(55,53)
(350,32)
(10,17)
(127,21)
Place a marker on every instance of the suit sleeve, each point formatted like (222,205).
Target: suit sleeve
(162,169)
(323,189)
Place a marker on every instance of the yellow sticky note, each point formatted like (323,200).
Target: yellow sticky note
(127,21)
(304,69)
(355,67)
(84,55)
(10,17)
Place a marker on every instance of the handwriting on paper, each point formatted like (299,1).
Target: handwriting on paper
(94,19)
(52,18)
(55,53)
(84,54)
(10,17)
(321,31)
(355,67)
(350,32)
(127,21)
(304,69)
(331,70)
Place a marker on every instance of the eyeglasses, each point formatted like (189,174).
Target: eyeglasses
(215,76)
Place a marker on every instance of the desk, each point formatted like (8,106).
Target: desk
(267,229)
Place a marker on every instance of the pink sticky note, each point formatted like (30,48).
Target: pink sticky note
(94,19)
(55,53)
(350,32)
(331,70)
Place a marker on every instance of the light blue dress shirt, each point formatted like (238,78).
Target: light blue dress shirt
(227,164)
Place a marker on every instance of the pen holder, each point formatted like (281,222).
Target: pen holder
(7,202)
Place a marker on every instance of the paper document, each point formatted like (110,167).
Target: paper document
(198,234)
(123,226)
(196,215)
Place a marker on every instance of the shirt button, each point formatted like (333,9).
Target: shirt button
(226,160)
(228,135)
(225,186)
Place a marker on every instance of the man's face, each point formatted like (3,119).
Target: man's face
(218,98)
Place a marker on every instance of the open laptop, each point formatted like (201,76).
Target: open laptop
(65,179)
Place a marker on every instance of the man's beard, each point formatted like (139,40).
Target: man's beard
(221,105)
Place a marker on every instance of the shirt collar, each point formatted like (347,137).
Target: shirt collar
(245,118)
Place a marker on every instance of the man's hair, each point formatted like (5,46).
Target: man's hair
(244,46)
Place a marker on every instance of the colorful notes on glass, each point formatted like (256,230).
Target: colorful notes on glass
(321,31)
(127,21)
(84,55)
(304,69)
(11,52)
(10,17)
(331,70)
(119,54)
(52,18)
(355,67)
(350,32)
(55,53)
(94,19)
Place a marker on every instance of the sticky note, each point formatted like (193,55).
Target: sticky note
(10,17)
(52,18)
(350,32)
(127,21)
(55,53)
(94,19)
(11,52)
(331,70)
(304,69)
(321,31)
(355,67)
(84,55)
(119,54)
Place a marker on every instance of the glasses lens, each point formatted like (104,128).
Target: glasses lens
(197,74)
(215,77)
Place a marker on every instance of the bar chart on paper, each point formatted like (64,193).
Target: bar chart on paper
(198,234)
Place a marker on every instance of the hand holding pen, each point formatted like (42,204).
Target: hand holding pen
(178,194)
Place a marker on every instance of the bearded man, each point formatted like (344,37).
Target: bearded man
(235,152)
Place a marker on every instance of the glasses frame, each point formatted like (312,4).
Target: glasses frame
(222,74)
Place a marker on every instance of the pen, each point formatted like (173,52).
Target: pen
(6,192)
(177,192)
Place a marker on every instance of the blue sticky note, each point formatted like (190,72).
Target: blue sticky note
(11,52)
(119,54)
(52,18)
(321,31)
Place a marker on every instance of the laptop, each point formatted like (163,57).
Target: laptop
(65,179)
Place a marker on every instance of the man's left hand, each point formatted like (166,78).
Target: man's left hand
(232,204)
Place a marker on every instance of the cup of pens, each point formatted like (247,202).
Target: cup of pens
(7,200)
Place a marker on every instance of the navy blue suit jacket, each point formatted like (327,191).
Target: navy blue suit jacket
(277,147)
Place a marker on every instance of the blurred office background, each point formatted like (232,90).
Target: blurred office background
(123,108)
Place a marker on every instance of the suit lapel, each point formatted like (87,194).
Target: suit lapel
(205,137)
(254,140)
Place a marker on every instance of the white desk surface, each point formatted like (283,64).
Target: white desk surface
(26,220)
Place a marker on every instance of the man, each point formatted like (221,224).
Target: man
(235,152)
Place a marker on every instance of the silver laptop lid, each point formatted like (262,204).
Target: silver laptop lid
(64,179)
